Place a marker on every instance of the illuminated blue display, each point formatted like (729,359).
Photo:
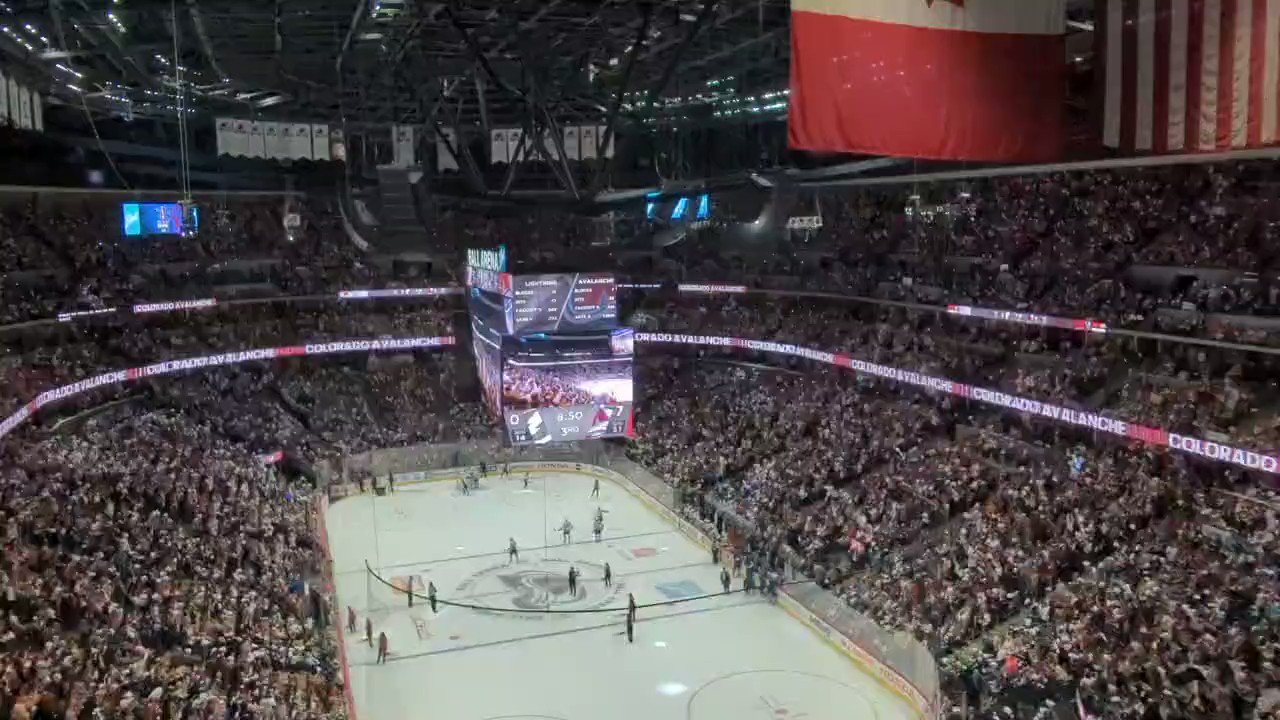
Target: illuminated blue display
(681,206)
(651,204)
(704,207)
(140,219)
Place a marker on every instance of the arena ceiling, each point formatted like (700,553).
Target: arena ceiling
(479,62)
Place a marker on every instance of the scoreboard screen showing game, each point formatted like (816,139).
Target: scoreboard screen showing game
(577,302)
(139,219)
(558,389)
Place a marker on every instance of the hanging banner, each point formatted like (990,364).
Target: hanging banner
(514,152)
(240,138)
(271,135)
(982,80)
(402,150)
(4,99)
(285,142)
(24,108)
(225,129)
(257,140)
(587,141)
(301,141)
(37,112)
(497,147)
(15,107)
(571,142)
(320,142)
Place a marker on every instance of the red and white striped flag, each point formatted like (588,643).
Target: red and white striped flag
(942,79)
(1189,75)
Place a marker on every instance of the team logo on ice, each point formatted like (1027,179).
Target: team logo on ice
(539,589)
(541,585)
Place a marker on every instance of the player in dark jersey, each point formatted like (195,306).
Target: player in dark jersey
(513,552)
(724,579)
(608,575)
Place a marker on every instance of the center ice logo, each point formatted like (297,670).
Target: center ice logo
(542,585)
(539,589)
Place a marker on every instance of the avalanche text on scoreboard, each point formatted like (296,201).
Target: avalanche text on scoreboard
(564,302)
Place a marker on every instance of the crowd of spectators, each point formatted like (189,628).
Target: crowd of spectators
(154,567)
(1068,244)
(1183,388)
(565,385)
(1139,585)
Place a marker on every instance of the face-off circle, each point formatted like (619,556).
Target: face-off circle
(778,695)
(541,584)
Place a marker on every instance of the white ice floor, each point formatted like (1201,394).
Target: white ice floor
(724,658)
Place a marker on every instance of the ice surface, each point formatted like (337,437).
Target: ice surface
(720,658)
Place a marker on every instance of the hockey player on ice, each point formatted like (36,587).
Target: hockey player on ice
(566,532)
(513,552)
(597,528)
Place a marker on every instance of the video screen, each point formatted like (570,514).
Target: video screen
(142,219)
(487,330)
(489,367)
(567,389)
(571,302)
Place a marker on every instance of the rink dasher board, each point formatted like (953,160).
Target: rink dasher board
(559,467)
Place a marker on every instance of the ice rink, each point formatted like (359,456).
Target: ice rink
(734,657)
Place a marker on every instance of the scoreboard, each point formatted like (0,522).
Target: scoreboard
(563,303)
(562,389)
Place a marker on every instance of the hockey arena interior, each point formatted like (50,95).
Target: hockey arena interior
(640,359)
